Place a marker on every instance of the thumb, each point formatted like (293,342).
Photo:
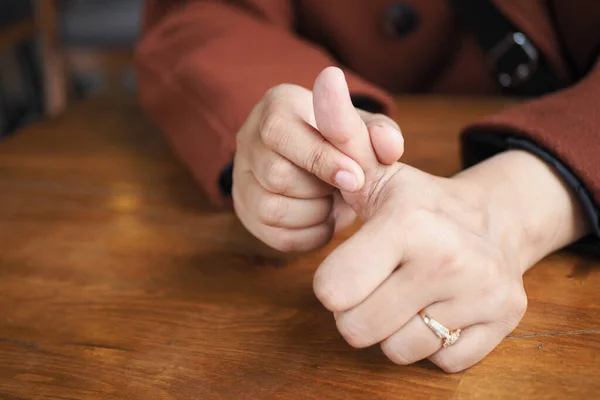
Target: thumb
(337,119)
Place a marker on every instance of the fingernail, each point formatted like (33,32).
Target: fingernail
(346,181)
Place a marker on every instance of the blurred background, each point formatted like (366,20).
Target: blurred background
(55,51)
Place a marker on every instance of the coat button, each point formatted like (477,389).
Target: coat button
(400,19)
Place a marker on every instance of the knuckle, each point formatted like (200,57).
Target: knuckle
(344,140)
(395,353)
(273,128)
(278,91)
(449,250)
(271,210)
(497,257)
(448,365)
(285,243)
(278,174)
(328,293)
(493,293)
(517,308)
(245,135)
(240,140)
(498,292)
(317,159)
(353,332)
(493,298)
(272,93)
(514,311)
(449,253)
(451,265)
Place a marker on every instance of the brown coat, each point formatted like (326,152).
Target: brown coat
(203,64)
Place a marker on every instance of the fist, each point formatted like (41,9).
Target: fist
(287,177)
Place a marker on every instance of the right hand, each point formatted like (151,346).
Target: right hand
(286,177)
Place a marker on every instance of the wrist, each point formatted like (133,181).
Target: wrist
(530,210)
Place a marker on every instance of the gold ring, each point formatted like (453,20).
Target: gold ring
(448,337)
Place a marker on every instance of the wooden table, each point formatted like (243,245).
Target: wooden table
(119,281)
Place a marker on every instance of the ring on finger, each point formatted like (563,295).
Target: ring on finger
(449,337)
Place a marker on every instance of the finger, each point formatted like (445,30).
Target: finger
(275,210)
(288,134)
(297,240)
(337,119)
(389,308)
(386,138)
(474,344)
(280,176)
(343,215)
(387,142)
(415,341)
(369,117)
(283,239)
(360,264)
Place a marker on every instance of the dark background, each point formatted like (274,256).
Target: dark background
(95,39)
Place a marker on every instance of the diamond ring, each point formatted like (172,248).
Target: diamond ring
(448,337)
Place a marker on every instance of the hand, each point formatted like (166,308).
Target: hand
(285,175)
(456,248)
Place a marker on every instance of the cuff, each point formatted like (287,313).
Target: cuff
(477,146)
(370,104)
(561,128)
(226,180)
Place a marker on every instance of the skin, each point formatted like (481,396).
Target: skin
(456,247)
(287,176)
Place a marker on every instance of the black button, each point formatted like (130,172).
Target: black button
(400,19)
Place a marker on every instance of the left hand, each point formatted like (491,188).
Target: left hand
(285,175)
(454,248)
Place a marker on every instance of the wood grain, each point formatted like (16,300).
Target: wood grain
(119,281)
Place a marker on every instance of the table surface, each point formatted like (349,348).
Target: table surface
(118,280)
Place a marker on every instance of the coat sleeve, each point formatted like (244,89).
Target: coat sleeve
(562,128)
(203,64)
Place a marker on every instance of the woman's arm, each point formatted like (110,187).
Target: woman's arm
(204,64)
(535,209)
(563,130)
